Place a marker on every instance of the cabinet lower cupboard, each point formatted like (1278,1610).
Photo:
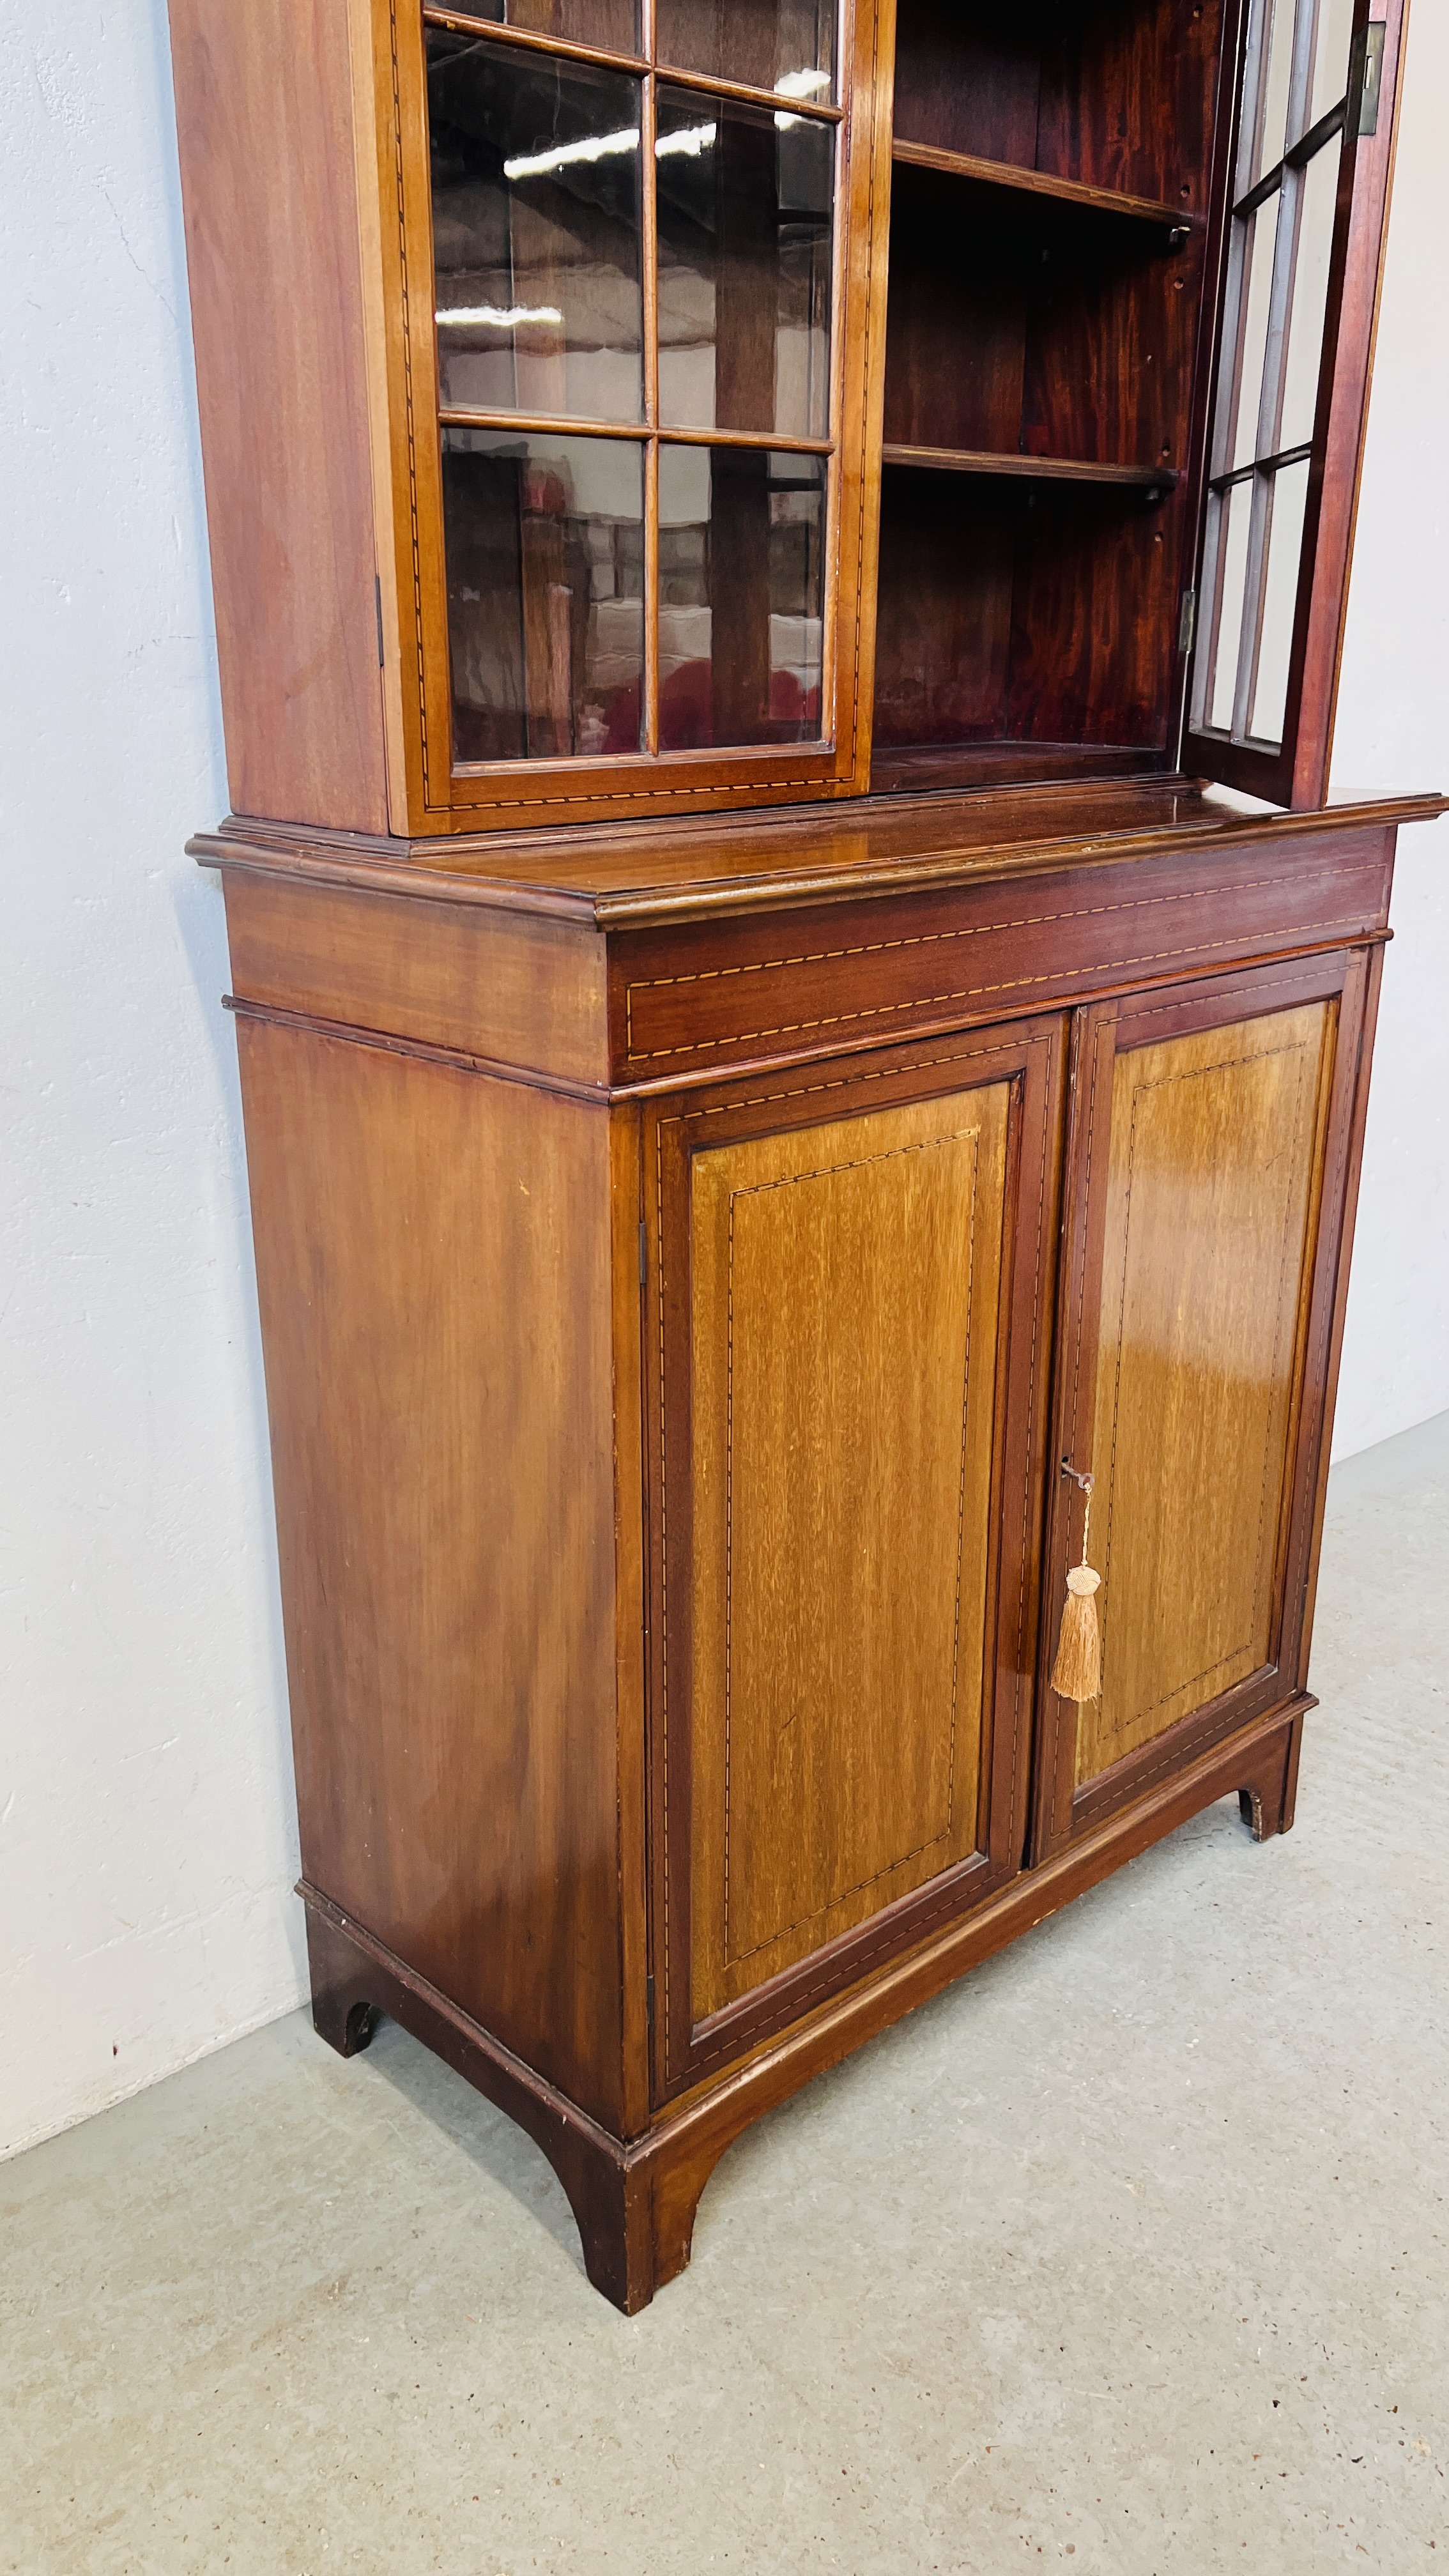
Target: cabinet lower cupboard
(697,1268)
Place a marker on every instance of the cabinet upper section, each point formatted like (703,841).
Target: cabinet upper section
(629,407)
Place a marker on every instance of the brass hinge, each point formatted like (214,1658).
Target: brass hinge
(1187,622)
(649,2000)
(1366,79)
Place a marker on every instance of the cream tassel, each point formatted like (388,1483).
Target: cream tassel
(1077,1673)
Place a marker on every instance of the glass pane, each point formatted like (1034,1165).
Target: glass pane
(1258,292)
(1274,129)
(784,45)
(741,596)
(1233,537)
(611,25)
(535,169)
(1280,601)
(744,267)
(545,549)
(1330,57)
(1319,186)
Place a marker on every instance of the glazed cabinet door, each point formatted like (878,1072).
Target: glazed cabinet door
(848,1291)
(620,259)
(1312,164)
(1206,1203)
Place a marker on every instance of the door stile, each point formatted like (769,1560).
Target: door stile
(1022,1460)
(1343,1159)
(1327,1191)
(1084,1217)
(666,1327)
(631,1606)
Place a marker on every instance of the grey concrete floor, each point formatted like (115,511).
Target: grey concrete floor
(1133,2251)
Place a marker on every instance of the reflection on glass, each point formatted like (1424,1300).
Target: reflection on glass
(1280,600)
(1310,297)
(612,26)
(1263,231)
(741,596)
(535,172)
(784,45)
(1273,131)
(744,267)
(1330,57)
(1233,531)
(545,554)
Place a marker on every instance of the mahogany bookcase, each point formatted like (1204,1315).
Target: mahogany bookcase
(780,569)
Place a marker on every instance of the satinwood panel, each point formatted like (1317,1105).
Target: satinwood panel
(846,1285)
(1211,1189)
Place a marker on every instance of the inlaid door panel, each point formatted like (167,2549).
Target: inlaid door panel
(846,1306)
(846,1292)
(1199,1234)
(1210,1183)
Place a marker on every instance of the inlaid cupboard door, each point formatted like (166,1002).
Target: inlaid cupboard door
(1205,1206)
(849,1280)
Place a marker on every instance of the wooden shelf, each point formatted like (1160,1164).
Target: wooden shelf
(919,768)
(1035,469)
(1039,183)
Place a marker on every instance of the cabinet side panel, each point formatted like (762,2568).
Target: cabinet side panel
(434,1273)
(264,118)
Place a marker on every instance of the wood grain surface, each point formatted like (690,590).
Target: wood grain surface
(1268,1387)
(622,877)
(264,119)
(433,1262)
(1215,1154)
(513,990)
(688,1001)
(1035,183)
(1118,99)
(846,1287)
(788,1582)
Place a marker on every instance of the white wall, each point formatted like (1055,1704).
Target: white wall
(146,1842)
(1393,733)
(146,1839)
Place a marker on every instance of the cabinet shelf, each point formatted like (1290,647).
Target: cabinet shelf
(1040,183)
(918,768)
(1035,469)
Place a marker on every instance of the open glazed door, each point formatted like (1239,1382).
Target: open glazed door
(1313,161)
